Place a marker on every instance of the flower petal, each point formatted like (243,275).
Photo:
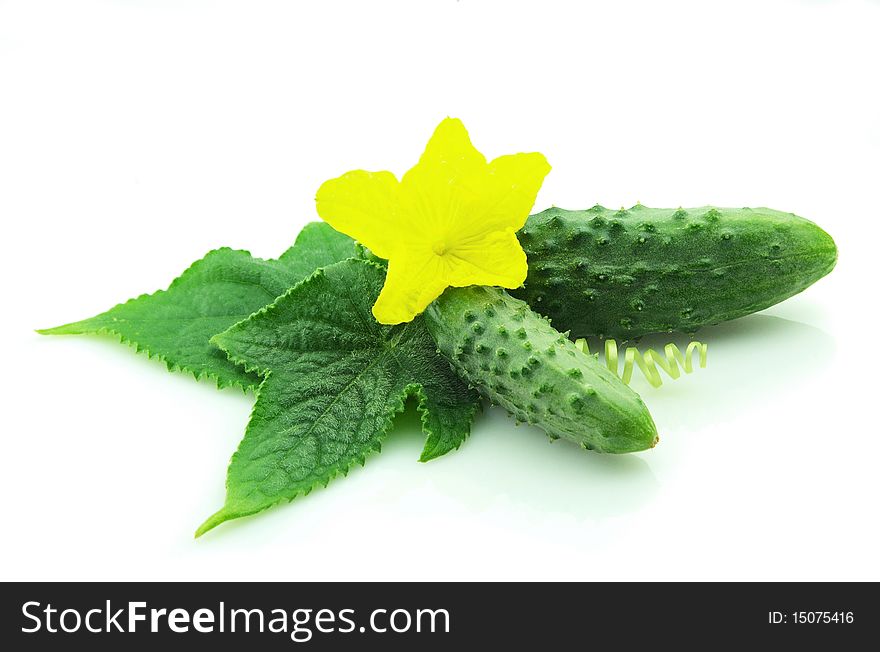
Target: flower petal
(439,192)
(414,280)
(451,145)
(508,193)
(363,205)
(494,259)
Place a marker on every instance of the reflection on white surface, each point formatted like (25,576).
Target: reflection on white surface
(531,473)
(722,444)
(751,360)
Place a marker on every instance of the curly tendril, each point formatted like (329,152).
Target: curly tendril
(649,360)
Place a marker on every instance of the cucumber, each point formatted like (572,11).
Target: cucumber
(516,359)
(626,273)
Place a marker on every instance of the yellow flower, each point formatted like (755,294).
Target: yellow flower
(451,220)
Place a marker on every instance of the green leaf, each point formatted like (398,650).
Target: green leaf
(334,380)
(317,245)
(221,289)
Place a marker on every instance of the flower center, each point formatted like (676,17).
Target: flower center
(440,248)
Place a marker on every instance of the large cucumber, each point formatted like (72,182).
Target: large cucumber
(630,272)
(514,357)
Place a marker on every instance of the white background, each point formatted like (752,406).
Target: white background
(136,136)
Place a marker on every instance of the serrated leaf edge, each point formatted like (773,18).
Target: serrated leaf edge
(418,391)
(177,368)
(171,367)
(397,401)
(217,340)
(397,404)
(413,389)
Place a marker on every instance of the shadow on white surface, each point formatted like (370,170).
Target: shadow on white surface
(502,462)
(513,472)
(750,361)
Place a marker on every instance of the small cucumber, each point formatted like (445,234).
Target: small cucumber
(626,273)
(516,359)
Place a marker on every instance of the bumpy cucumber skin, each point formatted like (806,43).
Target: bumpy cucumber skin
(626,273)
(516,359)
